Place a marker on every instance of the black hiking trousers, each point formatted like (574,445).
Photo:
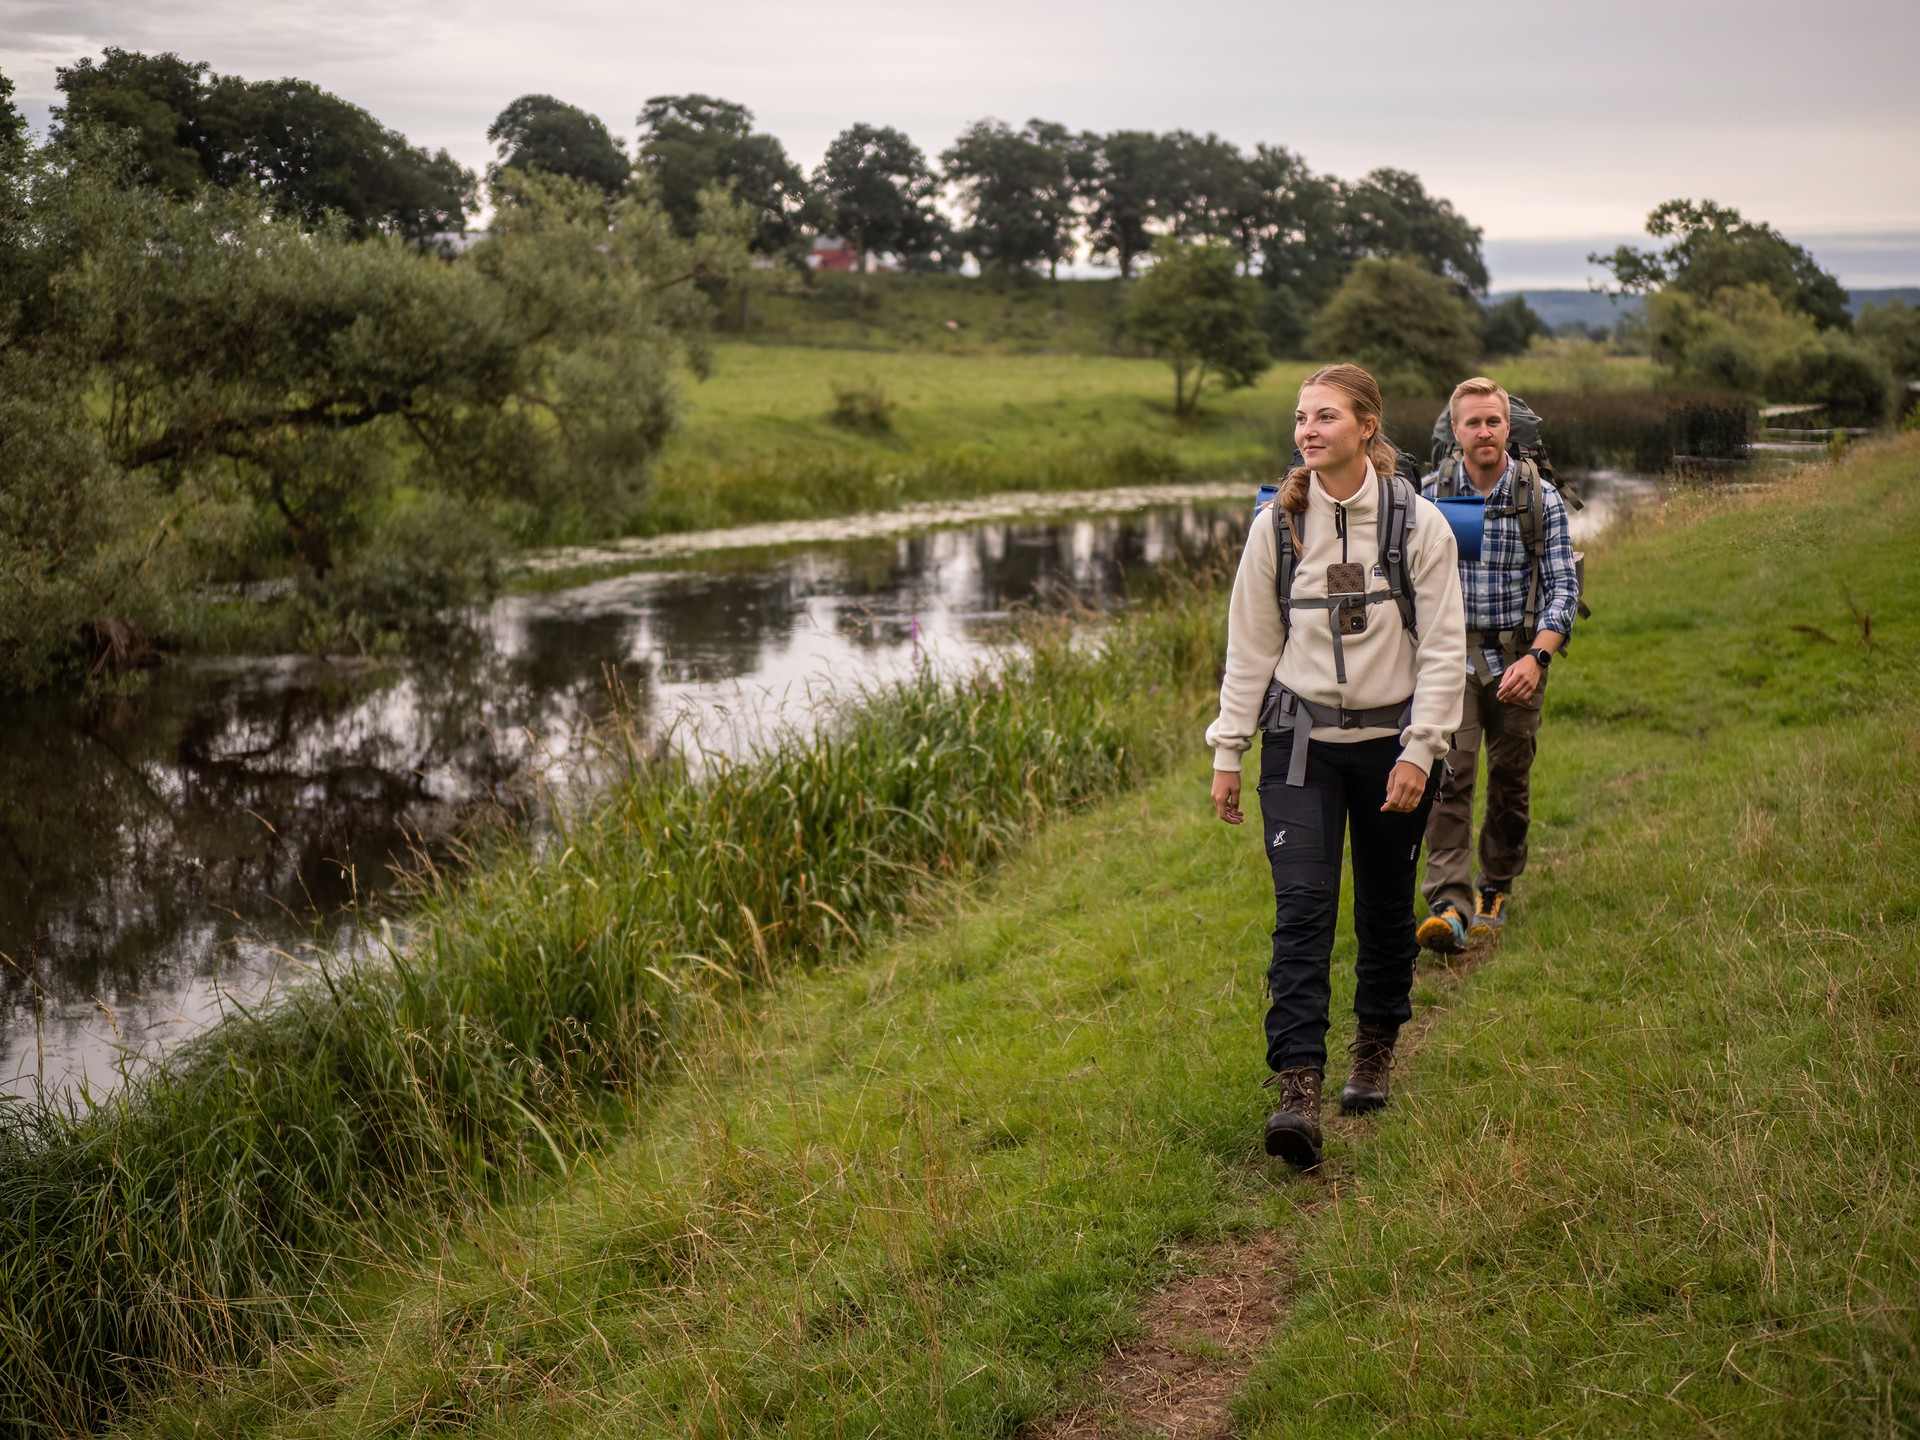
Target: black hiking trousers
(1304,829)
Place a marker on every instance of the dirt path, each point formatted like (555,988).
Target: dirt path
(1202,1333)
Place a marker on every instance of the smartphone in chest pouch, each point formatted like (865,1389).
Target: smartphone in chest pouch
(1347,583)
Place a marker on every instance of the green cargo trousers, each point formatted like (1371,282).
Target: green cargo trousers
(1509,732)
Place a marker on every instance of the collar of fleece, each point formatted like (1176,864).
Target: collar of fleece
(1360,507)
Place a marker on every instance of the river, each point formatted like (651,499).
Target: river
(184,849)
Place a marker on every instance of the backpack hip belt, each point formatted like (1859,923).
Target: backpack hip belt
(1283,710)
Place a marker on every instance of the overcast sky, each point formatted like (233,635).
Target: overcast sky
(1555,128)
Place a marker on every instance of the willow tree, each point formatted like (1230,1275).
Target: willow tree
(228,357)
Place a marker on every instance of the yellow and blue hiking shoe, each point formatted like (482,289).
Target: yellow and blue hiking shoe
(1489,915)
(1444,931)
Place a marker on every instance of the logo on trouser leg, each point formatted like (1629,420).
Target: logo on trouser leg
(1279,838)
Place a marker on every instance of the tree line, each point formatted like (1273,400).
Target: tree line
(1016,201)
(1732,302)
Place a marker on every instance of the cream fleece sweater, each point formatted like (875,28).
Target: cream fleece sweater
(1384,664)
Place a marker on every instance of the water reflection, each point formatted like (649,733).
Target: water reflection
(1606,496)
(163,855)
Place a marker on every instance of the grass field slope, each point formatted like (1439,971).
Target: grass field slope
(1651,1171)
(768,435)
(950,314)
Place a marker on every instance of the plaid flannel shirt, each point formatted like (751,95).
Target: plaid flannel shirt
(1495,586)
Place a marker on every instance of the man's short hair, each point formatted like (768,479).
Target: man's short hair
(1478,385)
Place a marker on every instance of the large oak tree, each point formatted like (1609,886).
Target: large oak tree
(540,133)
(692,143)
(875,188)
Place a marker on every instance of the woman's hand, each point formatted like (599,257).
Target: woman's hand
(1226,796)
(1405,785)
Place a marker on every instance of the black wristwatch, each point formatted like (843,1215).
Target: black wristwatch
(1541,656)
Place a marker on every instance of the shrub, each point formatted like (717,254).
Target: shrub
(1731,340)
(865,407)
(77,534)
(1509,327)
(428,556)
(1404,323)
(1847,376)
(1743,338)
(1894,330)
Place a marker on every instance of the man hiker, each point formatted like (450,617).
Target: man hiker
(1521,595)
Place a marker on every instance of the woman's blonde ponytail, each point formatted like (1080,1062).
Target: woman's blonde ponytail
(1384,454)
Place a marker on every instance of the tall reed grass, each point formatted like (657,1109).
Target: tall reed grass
(1646,430)
(198,1212)
(706,494)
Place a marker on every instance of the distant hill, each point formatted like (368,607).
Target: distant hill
(1857,298)
(1591,308)
(1594,308)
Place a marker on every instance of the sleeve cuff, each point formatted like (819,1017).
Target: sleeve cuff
(1227,759)
(1424,752)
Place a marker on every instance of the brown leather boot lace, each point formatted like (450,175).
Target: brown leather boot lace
(1299,1091)
(1372,1051)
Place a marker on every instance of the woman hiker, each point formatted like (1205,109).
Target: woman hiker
(1353,673)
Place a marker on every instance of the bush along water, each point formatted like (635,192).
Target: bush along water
(197,1212)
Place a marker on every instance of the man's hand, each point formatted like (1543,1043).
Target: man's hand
(1405,785)
(1521,682)
(1226,796)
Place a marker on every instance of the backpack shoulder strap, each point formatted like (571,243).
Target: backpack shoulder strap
(1530,508)
(1284,561)
(1395,521)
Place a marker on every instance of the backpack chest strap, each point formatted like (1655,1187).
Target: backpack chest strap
(1332,606)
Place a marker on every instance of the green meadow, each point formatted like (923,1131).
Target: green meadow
(766,435)
(760,438)
(1651,1170)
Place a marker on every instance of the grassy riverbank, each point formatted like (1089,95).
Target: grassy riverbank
(201,1210)
(760,439)
(1650,1173)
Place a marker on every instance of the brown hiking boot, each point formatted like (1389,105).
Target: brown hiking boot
(1293,1131)
(1372,1051)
